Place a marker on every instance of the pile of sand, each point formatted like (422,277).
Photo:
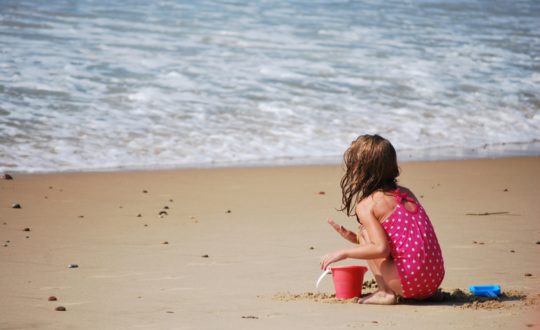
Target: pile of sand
(456,298)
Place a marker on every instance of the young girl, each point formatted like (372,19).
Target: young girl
(396,236)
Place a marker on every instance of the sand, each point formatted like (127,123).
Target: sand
(233,247)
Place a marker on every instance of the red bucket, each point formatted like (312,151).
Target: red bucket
(348,280)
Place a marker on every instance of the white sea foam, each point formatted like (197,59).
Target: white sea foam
(167,84)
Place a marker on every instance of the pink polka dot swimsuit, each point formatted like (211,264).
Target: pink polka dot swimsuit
(414,248)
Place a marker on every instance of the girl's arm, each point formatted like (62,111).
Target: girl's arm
(376,248)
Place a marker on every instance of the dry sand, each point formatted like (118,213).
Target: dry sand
(237,243)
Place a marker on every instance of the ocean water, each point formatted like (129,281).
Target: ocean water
(95,84)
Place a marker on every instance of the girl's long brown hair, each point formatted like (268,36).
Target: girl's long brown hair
(371,164)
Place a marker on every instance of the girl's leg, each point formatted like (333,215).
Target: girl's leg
(386,276)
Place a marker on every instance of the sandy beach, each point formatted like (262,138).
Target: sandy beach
(239,248)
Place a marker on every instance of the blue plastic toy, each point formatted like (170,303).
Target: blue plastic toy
(492,291)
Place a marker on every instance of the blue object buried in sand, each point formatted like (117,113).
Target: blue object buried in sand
(492,291)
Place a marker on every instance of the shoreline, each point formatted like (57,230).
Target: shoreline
(495,151)
(210,248)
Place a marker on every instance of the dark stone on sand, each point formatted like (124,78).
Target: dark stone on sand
(311,248)
(322,193)
(8,241)
(205,256)
(139,215)
(145,191)
(16,206)
(81,216)
(228,211)
(512,251)
(26,229)
(505,189)
(165,207)
(52,298)
(164,242)
(27,236)
(7,177)
(252,317)
(146,225)
(5,245)
(171,200)
(163,213)
(73,266)
(537,242)
(527,274)
(60,309)
(170,312)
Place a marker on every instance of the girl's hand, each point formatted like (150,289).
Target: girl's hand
(331,258)
(344,232)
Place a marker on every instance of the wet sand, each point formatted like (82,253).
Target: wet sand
(238,248)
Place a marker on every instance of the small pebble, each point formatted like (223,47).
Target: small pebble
(528,274)
(27,236)
(145,191)
(164,242)
(170,312)
(7,177)
(228,211)
(505,190)
(170,200)
(250,317)
(81,216)
(165,207)
(146,225)
(322,193)
(375,322)
(537,242)
(311,248)
(5,245)
(52,298)
(163,213)
(205,256)
(73,266)
(26,229)
(139,215)
(8,241)
(512,251)
(16,206)
(60,309)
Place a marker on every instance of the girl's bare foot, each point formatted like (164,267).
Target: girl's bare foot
(379,298)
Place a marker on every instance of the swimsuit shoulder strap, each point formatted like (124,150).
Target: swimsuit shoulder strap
(400,196)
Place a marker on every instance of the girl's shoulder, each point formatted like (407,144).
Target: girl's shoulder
(379,203)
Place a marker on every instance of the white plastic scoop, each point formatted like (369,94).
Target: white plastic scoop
(326,272)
